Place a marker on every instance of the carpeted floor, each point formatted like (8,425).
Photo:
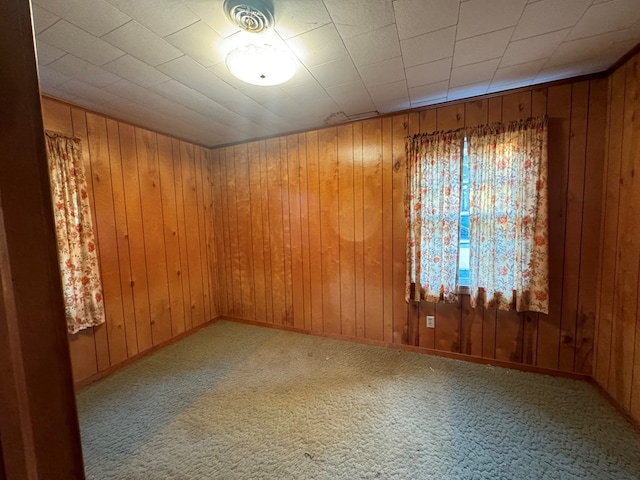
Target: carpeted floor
(241,402)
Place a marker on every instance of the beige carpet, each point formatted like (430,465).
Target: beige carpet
(241,402)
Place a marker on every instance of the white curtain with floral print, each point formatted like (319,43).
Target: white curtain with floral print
(432,212)
(508,224)
(77,255)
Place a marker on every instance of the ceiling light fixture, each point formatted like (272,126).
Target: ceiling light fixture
(261,64)
(258,62)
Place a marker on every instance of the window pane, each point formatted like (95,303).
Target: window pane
(463,259)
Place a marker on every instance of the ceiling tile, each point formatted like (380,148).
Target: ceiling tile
(189,98)
(50,78)
(467,91)
(522,72)
(143,44)
(199,78)
(136,71)
(482,16)
(374,46)
(416,17)
(82,70)
(425,93)
(95,16)
(163,17)
(388,71)
(428,47)
(501,87)
(127,89)
(429,73)
(606,17)
(295,18)
(388,92)
(42,19)
(46,53)
(352,98)
(335,72)
(549,15)
(211,12)
(198,41)
(481,47)
(360,16)
(82,89)
(431,101)
(533,48)
(318,46)
(474,73)
(393,105)
(586,49)
(72,39)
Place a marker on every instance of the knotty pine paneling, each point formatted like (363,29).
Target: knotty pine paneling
(153,213)
(617,358)
(323,214)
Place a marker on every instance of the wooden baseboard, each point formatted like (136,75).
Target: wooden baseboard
(623,411)
(457,356)
(114,368)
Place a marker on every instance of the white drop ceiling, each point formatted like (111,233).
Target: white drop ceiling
(160,63)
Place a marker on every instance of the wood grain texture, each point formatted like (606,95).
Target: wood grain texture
(617,358)
(345,185)
(309,231)
(149,195)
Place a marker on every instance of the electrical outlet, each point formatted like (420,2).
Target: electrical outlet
(431,321)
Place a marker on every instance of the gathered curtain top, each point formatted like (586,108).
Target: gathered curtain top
(481,130)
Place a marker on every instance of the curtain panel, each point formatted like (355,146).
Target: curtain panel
(77,255)
(432,213)
(508,221)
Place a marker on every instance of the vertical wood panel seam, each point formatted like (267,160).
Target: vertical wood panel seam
(144,245)
(94,225)
(117,244)
(566,194)
(126,217)
(615,270)
(163,240)
(584,182)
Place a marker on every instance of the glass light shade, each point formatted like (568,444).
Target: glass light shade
(261,64)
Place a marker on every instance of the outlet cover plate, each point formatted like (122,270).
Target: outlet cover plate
(431,321)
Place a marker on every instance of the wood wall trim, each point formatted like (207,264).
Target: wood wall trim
(129,361)
(408,348)
(36,390)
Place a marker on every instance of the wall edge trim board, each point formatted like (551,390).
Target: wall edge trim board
(139,356)
(609,398)
(428,351)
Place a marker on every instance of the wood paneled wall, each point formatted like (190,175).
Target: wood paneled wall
(152,212)
(312,231)
(617,359)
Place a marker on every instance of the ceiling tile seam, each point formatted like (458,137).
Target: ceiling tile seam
(562,43)
(351,58)
(107,33)
(183,28)
(536,36)
(454,49)
(41,32)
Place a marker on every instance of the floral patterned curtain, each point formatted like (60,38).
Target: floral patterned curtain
(508,222)
(432,211)
(79,269)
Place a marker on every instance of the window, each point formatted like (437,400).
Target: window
(463,259)
(477,215)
